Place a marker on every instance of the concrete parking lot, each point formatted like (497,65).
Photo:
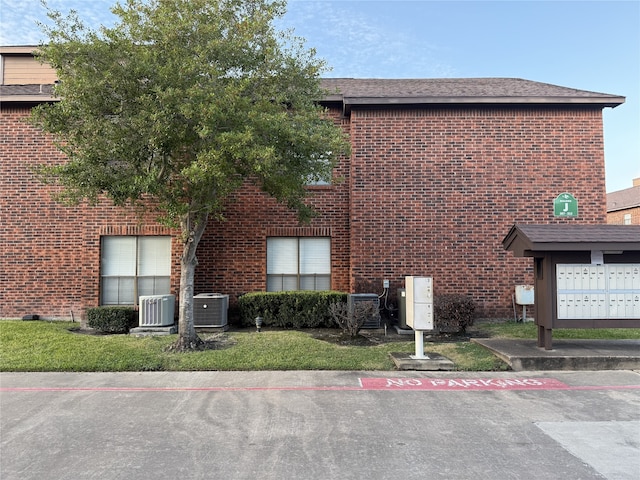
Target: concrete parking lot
(320,425)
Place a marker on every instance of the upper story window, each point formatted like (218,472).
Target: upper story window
(134,266)
(626,220)
(314,180)
(298,263)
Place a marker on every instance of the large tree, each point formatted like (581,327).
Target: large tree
(181,103)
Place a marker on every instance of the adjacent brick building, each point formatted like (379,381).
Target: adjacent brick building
(623,206)
(440,170)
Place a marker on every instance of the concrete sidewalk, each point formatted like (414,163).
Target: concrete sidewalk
(523,354)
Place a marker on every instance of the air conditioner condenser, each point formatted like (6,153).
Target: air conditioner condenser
(210,310)
(157,310)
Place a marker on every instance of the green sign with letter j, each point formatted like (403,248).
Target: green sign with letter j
(565,205)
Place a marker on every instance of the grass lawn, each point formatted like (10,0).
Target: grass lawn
(53,347)
(529,330)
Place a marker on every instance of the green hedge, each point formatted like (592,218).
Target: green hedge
(453,313)
(112,319)
(300,309)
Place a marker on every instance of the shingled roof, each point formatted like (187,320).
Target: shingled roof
(623,199)
(523,240)
(434,91)
(353,91)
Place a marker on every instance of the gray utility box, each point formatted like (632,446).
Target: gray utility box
(210,310)
(354,298)
(402,309)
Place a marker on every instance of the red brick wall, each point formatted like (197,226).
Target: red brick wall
(617,218)
(436,190)
(50,253)
(232,253)
(433,192)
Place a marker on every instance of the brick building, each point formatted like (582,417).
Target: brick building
(623,206)
(440,170)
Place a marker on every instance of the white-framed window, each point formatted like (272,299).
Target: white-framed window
(626,220)
(133,266)
(298,263)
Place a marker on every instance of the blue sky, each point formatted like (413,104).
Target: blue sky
(589,45)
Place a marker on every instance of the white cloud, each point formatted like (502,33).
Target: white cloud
(20,19)
(358,43)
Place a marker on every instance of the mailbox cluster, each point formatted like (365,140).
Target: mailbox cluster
(608,291)
(419,309)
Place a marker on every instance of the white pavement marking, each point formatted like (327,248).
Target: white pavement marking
(611,448)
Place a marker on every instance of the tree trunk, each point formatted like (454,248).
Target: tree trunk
(193,226)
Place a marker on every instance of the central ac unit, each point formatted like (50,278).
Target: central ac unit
(355,298)
(210,310)
(157,310)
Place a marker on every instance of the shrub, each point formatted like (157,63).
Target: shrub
(300,309)
(111,319)
(453,313)
(352,322)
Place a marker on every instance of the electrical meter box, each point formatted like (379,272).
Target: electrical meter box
(419,302)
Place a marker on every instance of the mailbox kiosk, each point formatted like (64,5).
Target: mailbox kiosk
(419,309)
(419,302)
(585,276)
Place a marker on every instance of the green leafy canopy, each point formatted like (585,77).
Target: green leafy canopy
(182,101)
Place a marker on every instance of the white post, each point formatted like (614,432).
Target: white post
(419,345)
